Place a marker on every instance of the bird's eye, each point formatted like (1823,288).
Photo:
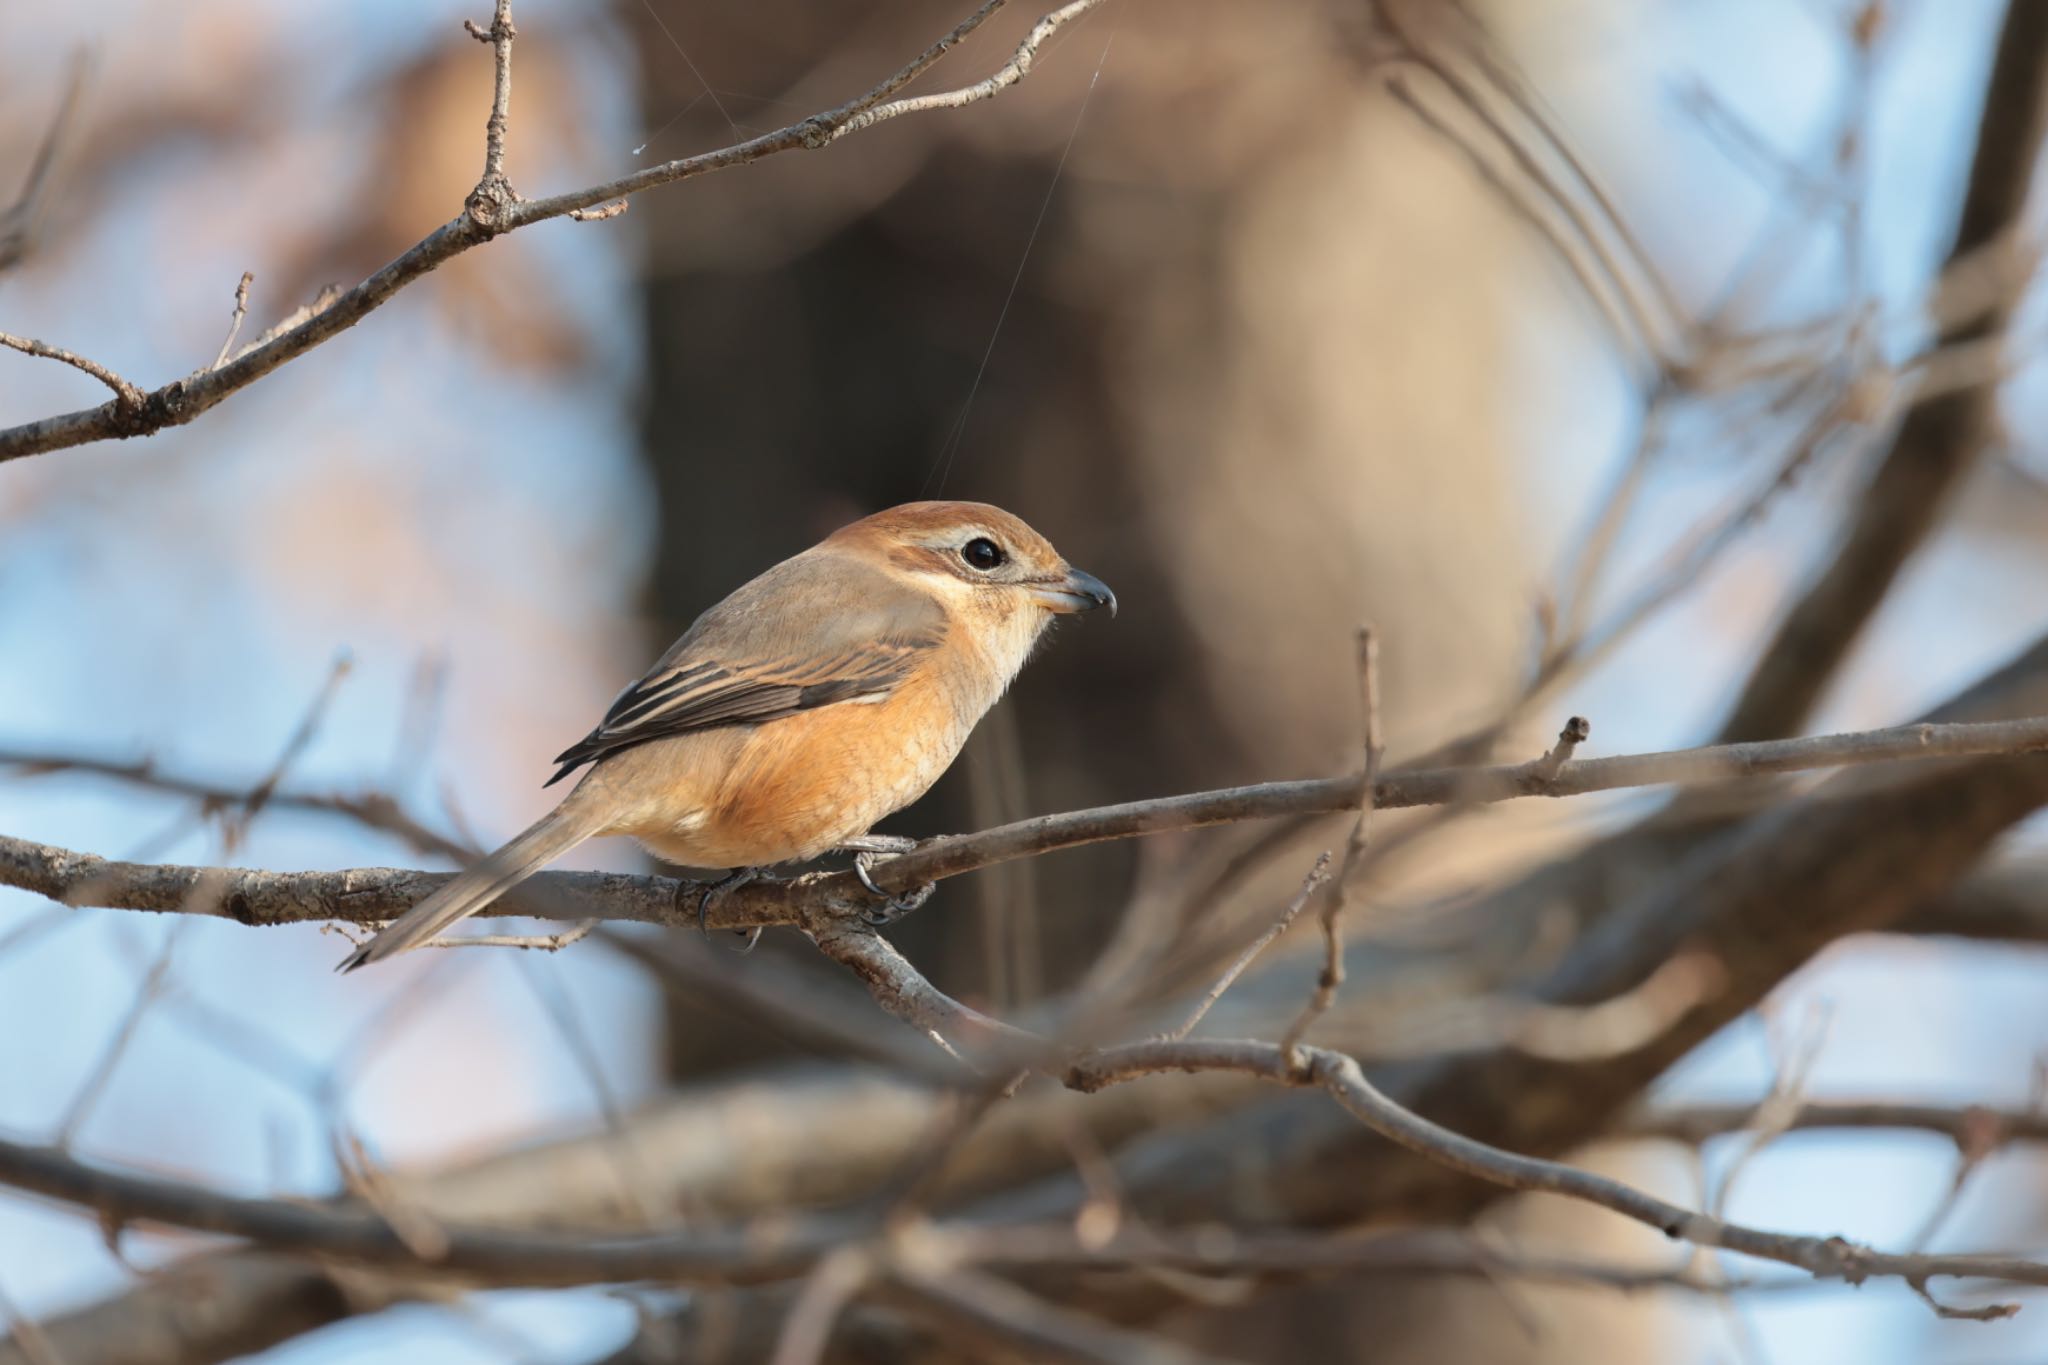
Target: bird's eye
(982,553)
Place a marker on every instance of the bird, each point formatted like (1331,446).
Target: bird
(819,697)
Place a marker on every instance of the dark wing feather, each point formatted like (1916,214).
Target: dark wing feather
(749,661)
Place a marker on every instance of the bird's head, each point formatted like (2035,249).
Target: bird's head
(995,576)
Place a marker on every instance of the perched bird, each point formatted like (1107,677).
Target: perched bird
(813,701)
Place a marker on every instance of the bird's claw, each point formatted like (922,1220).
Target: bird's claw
(717,890)
(861,862)
(878,843)
(894,906)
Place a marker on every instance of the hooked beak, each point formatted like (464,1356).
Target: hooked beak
(1076,592)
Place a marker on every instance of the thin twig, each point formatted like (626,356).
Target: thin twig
(801,1004)
(1310,884)
(545,943)
(584,1052)
(1002,78)
(1965,1125)
(1647,332)
(147,994)
(125,393)
(1331,979)
(235,323)
(1983,1312)
(295,745)
(19,220)
(1539,1028)
(421,1232)
(1015,1320)
(1576,731)
(25,1332)
(1971,1153)
(499,36)
(1774,1116)
(903,991)
(1524,206)
(826,1291)
(372,810)
(1486,55)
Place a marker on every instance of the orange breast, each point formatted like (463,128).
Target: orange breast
(799,786)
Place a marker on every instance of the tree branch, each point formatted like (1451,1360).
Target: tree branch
(1825,1258)
(1943,432)
(731,1150)
(125,393)
(358,1237)
(499,35)
(903,991)
(758,1252)
(1759,897)
(492,213)
(2006,902)
(371,809)
(372,895)
(1972,1126)
(1007,1320)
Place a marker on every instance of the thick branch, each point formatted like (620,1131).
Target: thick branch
(358,1237)
(2004,903)
(761,1252)
(732,1150)
(372,895)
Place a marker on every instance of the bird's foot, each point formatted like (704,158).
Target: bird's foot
(877,843)
(718,890)
(894,905)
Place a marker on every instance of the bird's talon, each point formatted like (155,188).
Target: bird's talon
(860,869)
(717,890)
(894,908)
(894,905)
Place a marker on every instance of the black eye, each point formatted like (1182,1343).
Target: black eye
(982,553)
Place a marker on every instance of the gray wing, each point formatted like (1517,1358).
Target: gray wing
(814,630)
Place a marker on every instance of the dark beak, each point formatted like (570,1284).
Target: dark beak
(1077,591)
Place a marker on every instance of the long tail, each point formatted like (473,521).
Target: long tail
(554,834)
